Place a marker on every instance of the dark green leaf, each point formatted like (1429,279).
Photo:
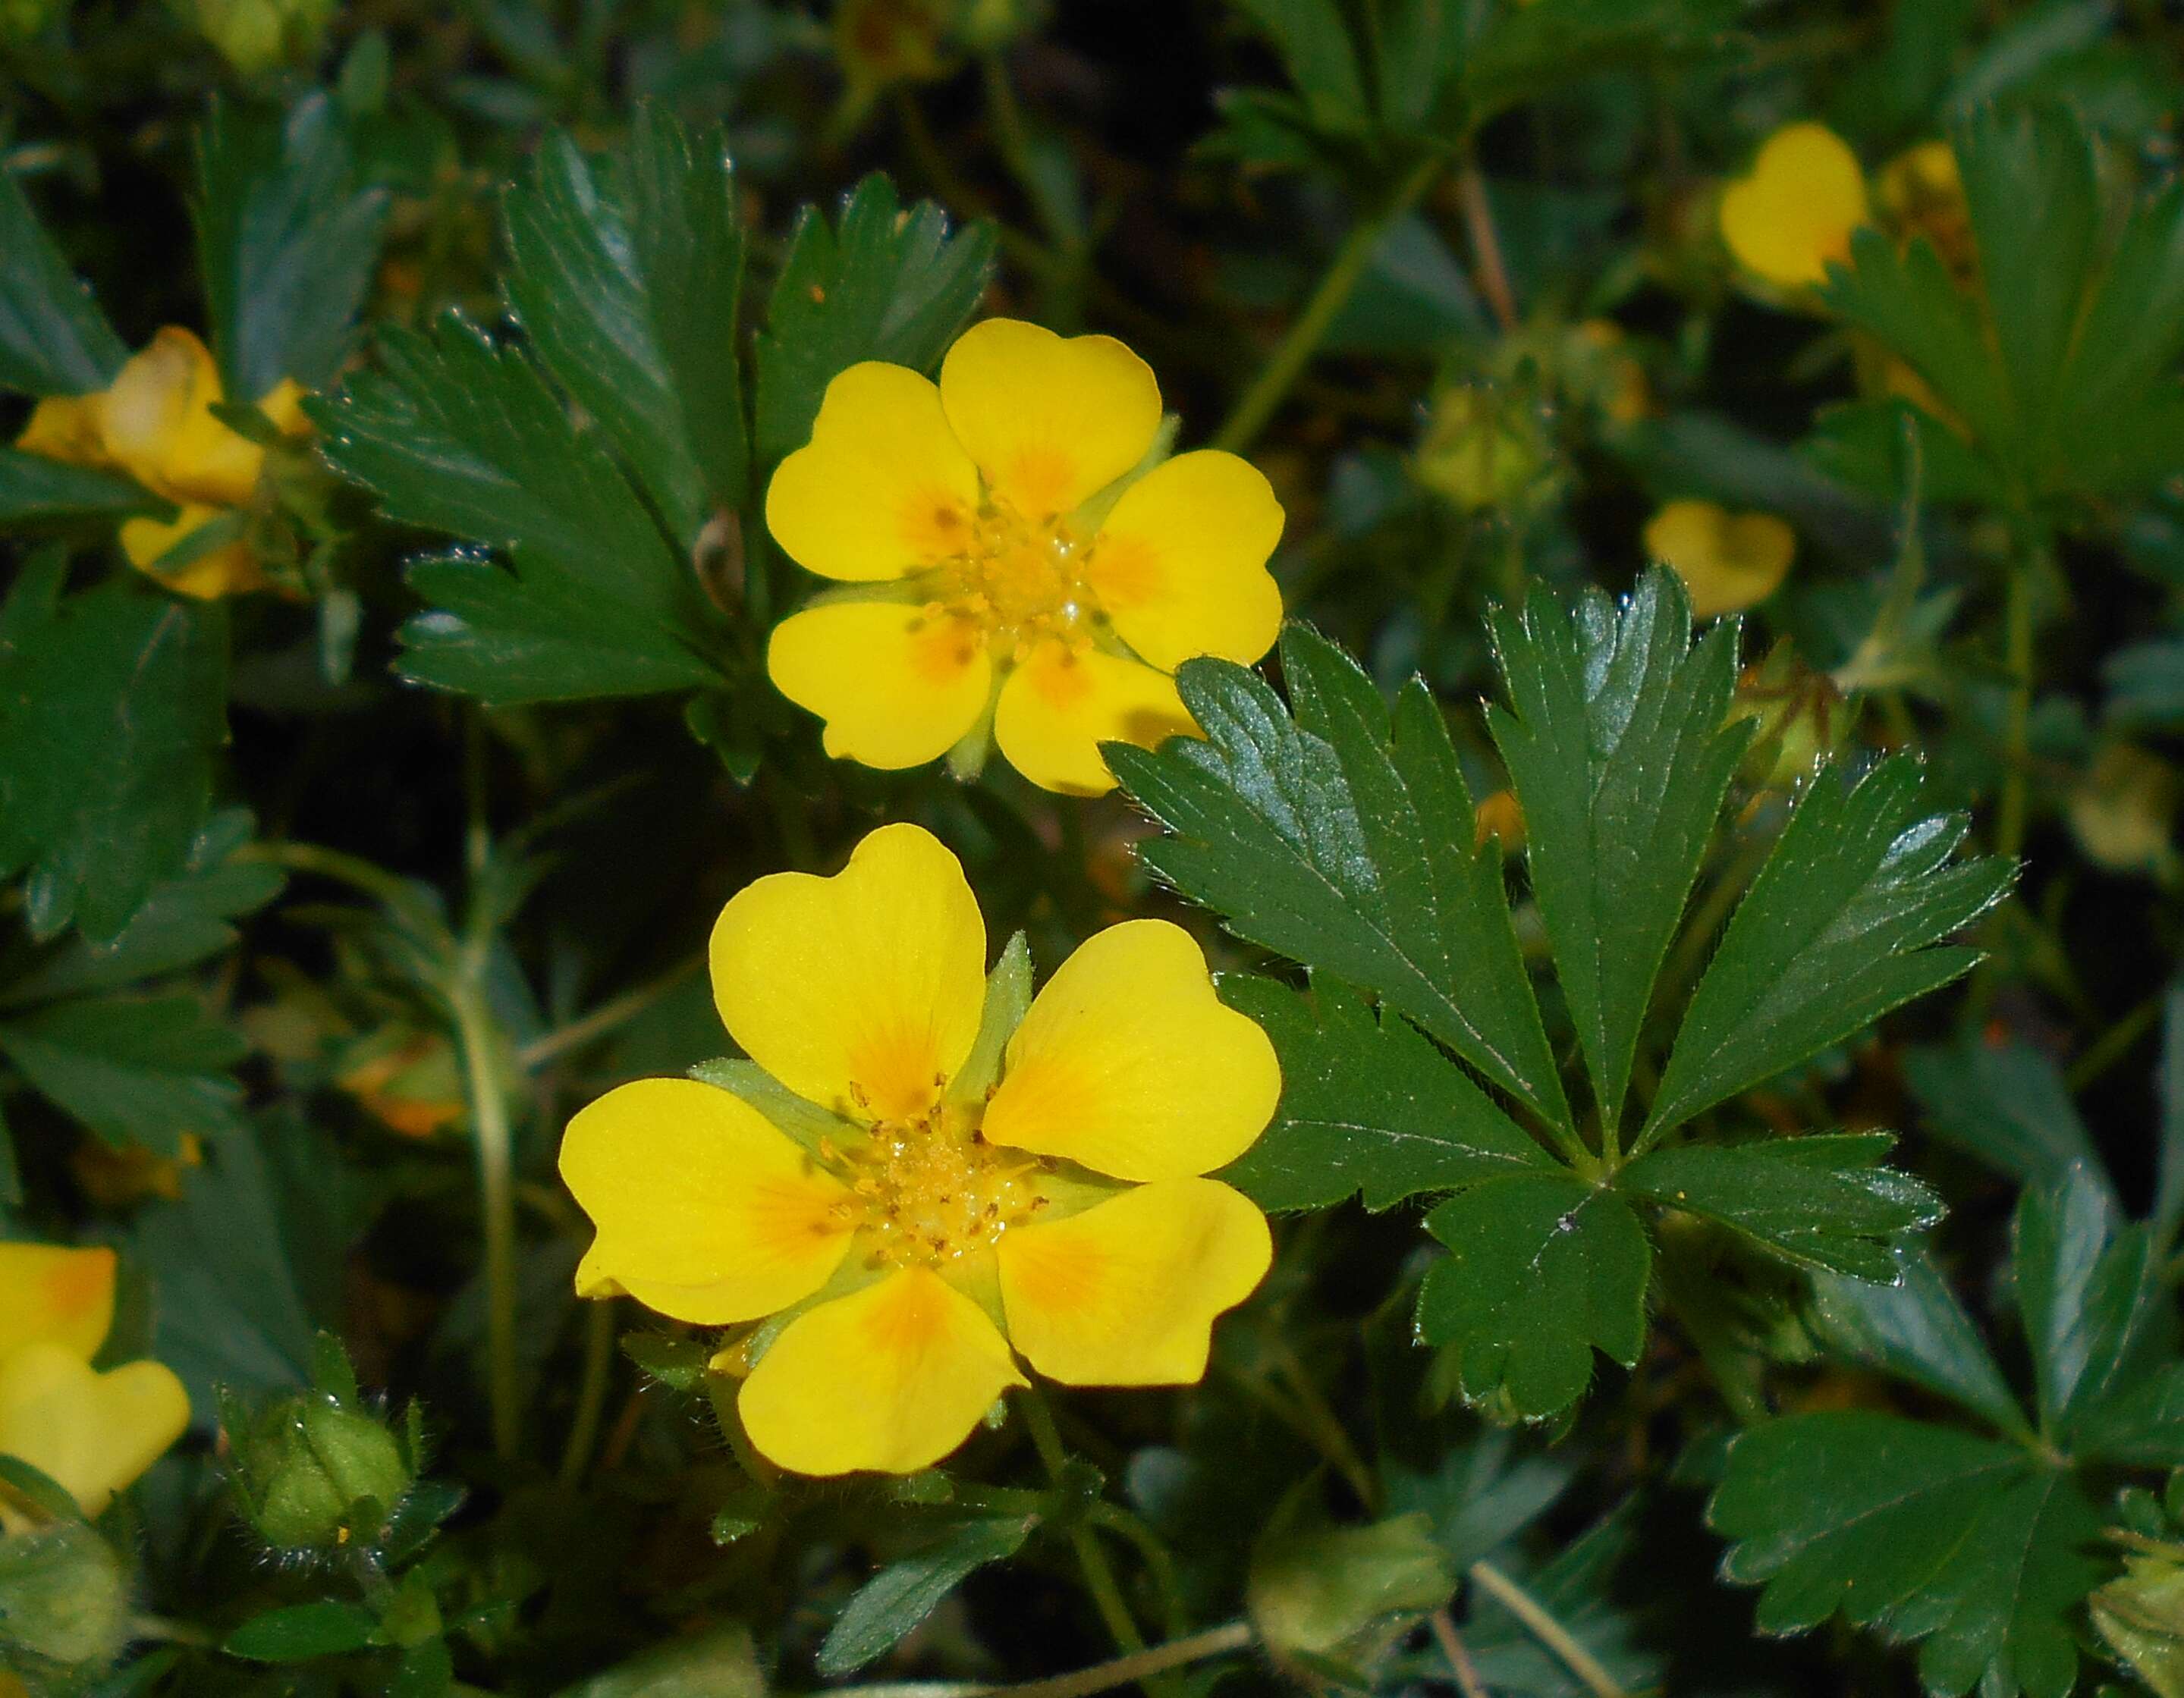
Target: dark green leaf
(904,1593)
(37,491)
(1617,744)
(1344,839)
(2141,1424)
(1532,50)
(1314,40)
(2146,682)
(1838,927)
(882,283)
(112,705)
(627,280)
(54,339)
(462,437)
(287,241)
(1823,1199)
(1542,1269)
(2086,1284)
(182,922)
(1975,1548)
(2006,1104)
(302,1632)
(138,1071)
(1916,1330)
(1368,1105)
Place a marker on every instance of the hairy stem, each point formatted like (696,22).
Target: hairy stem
(1309,329)
(1486,247)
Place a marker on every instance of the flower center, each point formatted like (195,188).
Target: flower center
(930,1190)
(1018,581)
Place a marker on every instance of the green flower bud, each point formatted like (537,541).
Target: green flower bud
(1344,1592)
(64,1596)
(2142,1618)
(312,1473)
(1480,450)
(258,35)
(1801,714)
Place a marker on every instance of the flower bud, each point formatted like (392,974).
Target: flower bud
(258,35)
(1338,1591)
(1800,714)
(1480,450)
(2123,812)
(312,1472)
(2141,1615)
(64,1596)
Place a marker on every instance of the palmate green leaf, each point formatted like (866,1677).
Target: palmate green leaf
(1344,838)
(906,1592)
(287,241)
(112,703)
(459,436)
(1542,1269)
(53,338)
(1368,1105)
(2087,1291)
(1821,1200)
(1313,39)
(1617,745)
(1973,1547)
(35,490)
(626,279)
(1841,925)
(1916,1330)
(138,1071)
(883,282)
(1532,50)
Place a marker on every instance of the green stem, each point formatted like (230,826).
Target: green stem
(1152,1550)
(351,870)
(1257,403)
(2117,1042)
(1099,1577)
(2009,823)
(604,1018)
(1327,1432)
(1546,1629)
(496,1163)
(591,1390)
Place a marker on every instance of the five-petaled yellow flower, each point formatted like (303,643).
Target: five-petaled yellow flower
(91,1432)
(946,1190)
(1728,561)
(1002,580)
(155,423)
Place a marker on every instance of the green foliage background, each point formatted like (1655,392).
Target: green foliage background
(1725,1245)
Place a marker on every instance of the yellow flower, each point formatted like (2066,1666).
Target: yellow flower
(1921,192)
(155,423)
(1728,561)
(1002,582)
(1796,209)
(91,1432)
(966,1197)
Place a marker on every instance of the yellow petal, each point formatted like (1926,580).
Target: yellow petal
(882,488)
(230,569)
(54,1292)
(1061,704)
(1180,565)
(1126,1293)
(861,992)
(897,686)
(91,1432)
(157,423)
(65,427)
(705,1211)
(891,1378)
(283,403)
(1728,561)
(1048,420)
(1128,1064)
(1797,208)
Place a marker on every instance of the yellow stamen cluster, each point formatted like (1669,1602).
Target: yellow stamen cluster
(1015,582)
(929,1190)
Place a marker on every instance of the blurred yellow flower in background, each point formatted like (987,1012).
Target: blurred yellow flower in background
(1795,210)
(1001,583)
(1728,561)
(155,423)
(916,1194)
(92,1433)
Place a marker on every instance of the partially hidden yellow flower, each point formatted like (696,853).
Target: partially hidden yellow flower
(155,423)
(1921,192)
(999,580)
(1728,561)
(91,1432)
(948,1196)
(1796,207)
